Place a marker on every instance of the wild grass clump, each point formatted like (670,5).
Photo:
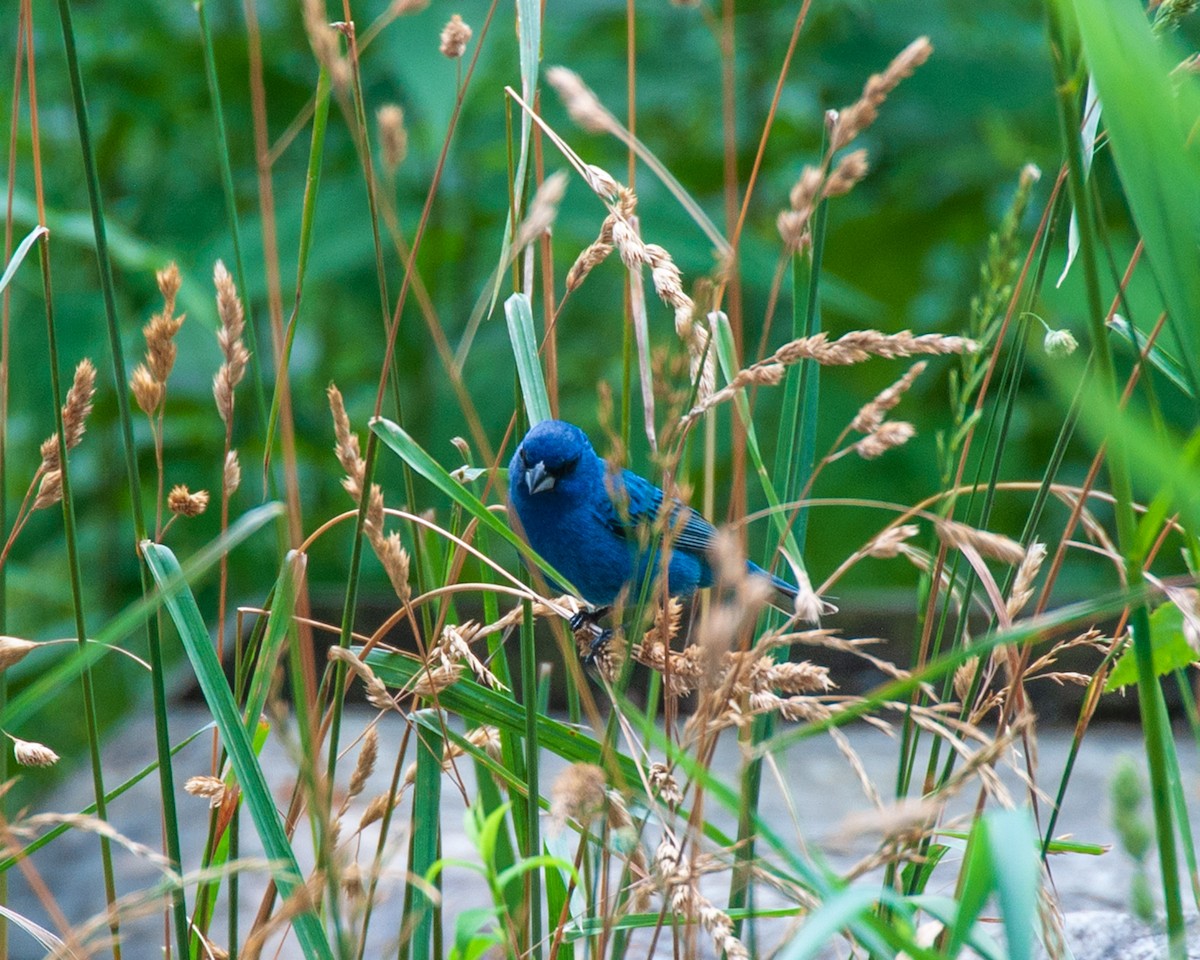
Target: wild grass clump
(475,764)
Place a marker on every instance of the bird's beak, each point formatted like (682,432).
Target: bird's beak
(537,479)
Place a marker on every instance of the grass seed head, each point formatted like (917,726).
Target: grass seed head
(211,789)
(229,336)
(578,794)
(456,34)
(30,753)
(393,136)
(850,170)
(13,650)
(184,503)
(366,763)
(888,435)
(231,476)
(582,104)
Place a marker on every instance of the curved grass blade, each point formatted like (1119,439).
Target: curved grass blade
(181,605)
(19,255)
(411,452)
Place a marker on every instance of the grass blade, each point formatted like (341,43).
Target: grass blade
(19,255)
(521,332)
(181,605)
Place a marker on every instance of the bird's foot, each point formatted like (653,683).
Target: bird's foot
(595,655)
(588,618)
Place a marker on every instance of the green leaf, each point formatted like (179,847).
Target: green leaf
(836,913)
(1014,849)
(525,349)
(1167,642)
(181,605)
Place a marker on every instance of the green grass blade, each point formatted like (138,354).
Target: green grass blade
(1013,847)
(411,452)
(181,605)
(278,624)
(525,349)
(423,844)
(837,913)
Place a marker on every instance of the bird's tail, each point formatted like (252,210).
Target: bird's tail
(786,593)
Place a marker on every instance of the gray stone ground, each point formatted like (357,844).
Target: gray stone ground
(826,796)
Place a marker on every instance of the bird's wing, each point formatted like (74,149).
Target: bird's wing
(638,502)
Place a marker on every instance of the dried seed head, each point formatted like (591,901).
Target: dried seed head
(393,137)
(229,337)
(377,808)
(29,753)
(13,650)
(183,503)
(1022,588)
(665,785)
(211,788)
(169,282)
(377,693)
(1059,343)
(543,209)
(889,434)
(793,229)
(366,763)
(49,490)
(387,547)
(887,545)
(147,391)
(160,344)
(79,403)
(578,794)
(964,677)
(870,416)
(849,171)
(803,194)
(455,37)
(582,104)
(850,122)
(231,477)
(346,446)
(987,544)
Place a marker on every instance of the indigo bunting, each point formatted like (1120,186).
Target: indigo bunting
(595,527)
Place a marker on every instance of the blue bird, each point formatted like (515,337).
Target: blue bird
(597,528)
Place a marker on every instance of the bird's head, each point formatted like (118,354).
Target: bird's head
(550,457)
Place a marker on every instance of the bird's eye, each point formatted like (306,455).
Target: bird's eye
(521,454)
(568,467)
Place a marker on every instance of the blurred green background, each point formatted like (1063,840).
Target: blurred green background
(903,249)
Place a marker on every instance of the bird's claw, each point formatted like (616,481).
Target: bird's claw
(597,646)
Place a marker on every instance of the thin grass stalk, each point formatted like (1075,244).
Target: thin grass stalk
(372,447)
(235,231)
(533,880)
(1156,736)
(153,639)
(73,569)
(23,18)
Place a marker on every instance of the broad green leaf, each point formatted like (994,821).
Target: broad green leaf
(256,795)
(1167,641)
